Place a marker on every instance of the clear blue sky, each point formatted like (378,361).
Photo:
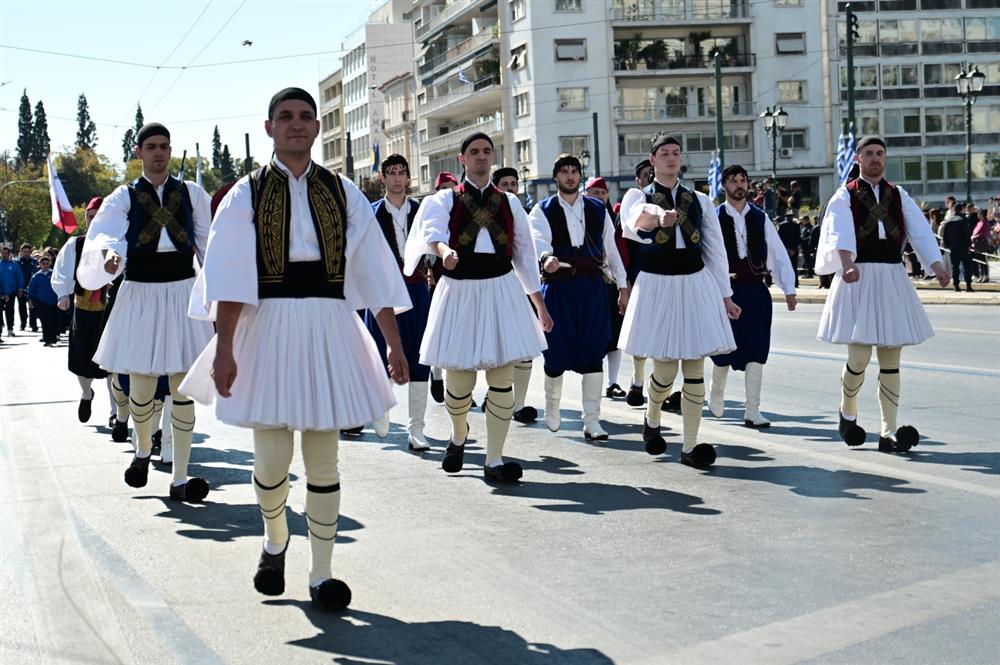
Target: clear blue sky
(188,101)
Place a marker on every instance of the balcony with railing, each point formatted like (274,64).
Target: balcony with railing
(645,12)
(680,63)
(457,95)
(442,18)
(666,112)
(470,45)
(453,139)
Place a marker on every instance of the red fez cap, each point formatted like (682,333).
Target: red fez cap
(95,203)
(597,182)
(616,208)
(444,177)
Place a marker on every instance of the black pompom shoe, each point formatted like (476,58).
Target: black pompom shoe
(119,433)
(614,391)
(270,576)
(330,596)
(673,403)
(526,414)
(508,472)
(193,491)
(701,456)
(454,458)
(852,433)
(655,444)
(137,473)
(83,410)
(907,436)
(634,396)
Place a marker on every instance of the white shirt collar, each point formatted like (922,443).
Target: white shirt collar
(281,165)
(736,213)
(873,185)
(576,204)
(394,209)
(481,189)
(146,178)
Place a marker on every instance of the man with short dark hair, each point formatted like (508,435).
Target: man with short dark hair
(294,251)
(11,283)
(29,266)
(575,242)
(150,230)
(42,300)
(681,302)
(872,302)
(479,319)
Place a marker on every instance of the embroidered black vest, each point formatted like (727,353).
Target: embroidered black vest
(472,211)
(148,217)
(753,267)
(662,256)
(87,301)
(586,259)
(388,226)
(868,213)
(277,276)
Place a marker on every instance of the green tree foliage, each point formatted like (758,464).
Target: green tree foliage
(216,149)
(25,131)
(85,174)
(209,178)
(25,210)
(227,167)
(128,145)
(86,132)
(139,118)
(40,131)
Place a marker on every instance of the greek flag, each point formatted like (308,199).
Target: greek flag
(529,200)
(714,177)
(462,78)
(845,154)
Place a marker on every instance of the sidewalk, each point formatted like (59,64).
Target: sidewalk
(929,291)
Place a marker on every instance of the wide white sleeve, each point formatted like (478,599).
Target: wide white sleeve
(524,258)
(836,233)
(229,273)
(541,232)
(429,226)
(201,216)
(778,263)
(918,231)
(633,205)
(713,248)
(371,280)
(613,258)
(63,280)
(106,232)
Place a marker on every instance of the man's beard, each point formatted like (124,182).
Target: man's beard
(738,195)
(566,189)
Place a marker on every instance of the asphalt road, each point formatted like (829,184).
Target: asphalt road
(793,549)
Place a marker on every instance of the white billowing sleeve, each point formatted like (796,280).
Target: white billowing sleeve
(633,205)
(918,231)
(106,232)
(372,280)
(63,281)
(541,232)
(836,233)
(201,215)
(429,226)
(778,263)
(612,257)
(713,248)
(524,258)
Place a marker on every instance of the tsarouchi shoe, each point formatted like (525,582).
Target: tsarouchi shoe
(701,456)
(851,432)
(454,458)
(193,491)
(270,576)
(508,472)
(137,473)
(330,595)
(655,444)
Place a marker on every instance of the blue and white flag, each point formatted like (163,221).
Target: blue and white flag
(197,163)
(376,161)
(845,155)
(462,78)
(715,177)
(529,200)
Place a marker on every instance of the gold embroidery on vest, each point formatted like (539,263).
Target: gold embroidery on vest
(161,217)
(330,225)
(272,234)
(483,217)
(682,218)
(877,212)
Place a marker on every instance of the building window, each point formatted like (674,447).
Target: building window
(790,42)
(787,3)
(518,9)
(864,77)
(518,57)
(867,122)
(634,144)
(794,138)
(897,31)
(521,105)
(523,151)
(571,50)
(903,169)
(982,29)
(572,99)
(792,92)
(569,5)
(901,121)
(944,120)
(573,145)
(899,76)
(425,172)
(945,168)
(941,30)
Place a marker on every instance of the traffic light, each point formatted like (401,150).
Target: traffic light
(852,26)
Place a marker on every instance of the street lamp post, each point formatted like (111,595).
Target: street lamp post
(774,123)
(584,162)
(969,84)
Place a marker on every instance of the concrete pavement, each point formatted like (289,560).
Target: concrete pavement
(793,549)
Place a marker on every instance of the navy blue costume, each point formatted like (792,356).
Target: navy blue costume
(752,331)
(413,322)
(576,297)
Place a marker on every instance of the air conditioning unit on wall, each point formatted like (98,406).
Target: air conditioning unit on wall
(785,153)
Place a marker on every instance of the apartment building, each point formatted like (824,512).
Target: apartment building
(331,119)
(905,64)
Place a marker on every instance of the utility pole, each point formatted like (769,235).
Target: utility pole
(248,163)
(719,142)
(349,161)
(852,34)
(597,147)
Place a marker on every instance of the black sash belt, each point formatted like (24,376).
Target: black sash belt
(158,267)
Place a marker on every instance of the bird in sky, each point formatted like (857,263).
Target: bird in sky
(247,42)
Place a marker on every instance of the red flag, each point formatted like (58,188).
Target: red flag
(62,211)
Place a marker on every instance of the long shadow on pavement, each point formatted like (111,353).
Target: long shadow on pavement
(816,482)
(988,463)
(354,637)
(601,498)
(224,522)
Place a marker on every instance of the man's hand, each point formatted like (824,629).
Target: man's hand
(623,300)
(112,263)
(551,264)
(851,273)
(942,276)
(545,320)
(668,218)
(791,302)
(449,258)
(224,371)
(733,310)
(399,369)
(63,303)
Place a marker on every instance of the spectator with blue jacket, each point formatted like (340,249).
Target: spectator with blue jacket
(42,300)
(11,282)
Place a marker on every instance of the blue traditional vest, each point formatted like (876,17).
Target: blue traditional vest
(586,259)
(277,276)
(754,266)
(148,217)
(388,226)
(662,256)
